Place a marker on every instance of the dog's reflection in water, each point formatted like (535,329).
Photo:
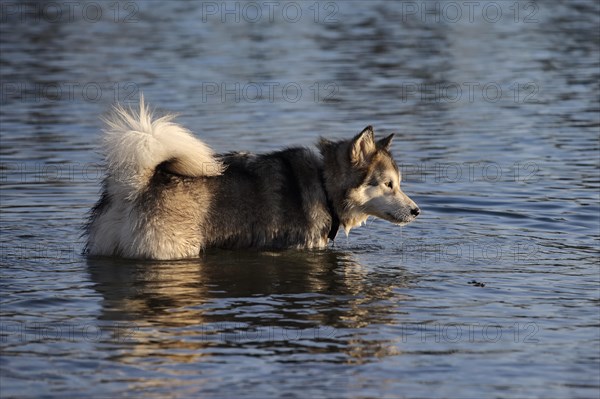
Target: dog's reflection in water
(227,298)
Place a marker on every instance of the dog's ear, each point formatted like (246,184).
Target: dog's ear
(385,142)
(362,146)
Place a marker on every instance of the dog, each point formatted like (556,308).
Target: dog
(167,195)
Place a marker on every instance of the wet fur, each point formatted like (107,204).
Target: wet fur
(167,196)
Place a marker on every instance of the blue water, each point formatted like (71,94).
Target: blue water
(492,292)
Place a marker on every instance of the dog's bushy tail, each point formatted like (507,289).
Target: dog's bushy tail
(136,142)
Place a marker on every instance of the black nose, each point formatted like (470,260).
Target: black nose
(415,211)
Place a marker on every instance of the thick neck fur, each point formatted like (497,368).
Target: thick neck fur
(340,176)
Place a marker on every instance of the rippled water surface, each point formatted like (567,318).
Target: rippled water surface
(492,292)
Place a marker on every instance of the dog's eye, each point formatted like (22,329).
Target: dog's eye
(389,184)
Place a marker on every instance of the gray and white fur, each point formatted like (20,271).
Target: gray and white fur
(166,195)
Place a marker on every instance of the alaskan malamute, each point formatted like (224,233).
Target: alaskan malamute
(166,195)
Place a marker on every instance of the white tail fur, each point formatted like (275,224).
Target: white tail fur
(136,142)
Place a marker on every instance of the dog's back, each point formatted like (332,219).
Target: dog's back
(272,200)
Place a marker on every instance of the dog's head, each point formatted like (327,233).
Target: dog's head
(365,180)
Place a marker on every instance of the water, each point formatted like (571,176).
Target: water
(497,133)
